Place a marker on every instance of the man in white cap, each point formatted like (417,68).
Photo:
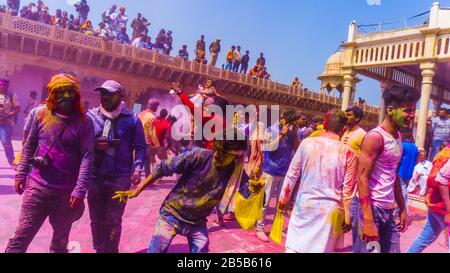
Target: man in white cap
(118,135)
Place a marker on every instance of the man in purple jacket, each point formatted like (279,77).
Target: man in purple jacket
(119,157)
(60,148)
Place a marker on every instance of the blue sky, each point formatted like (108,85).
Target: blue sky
(296,36)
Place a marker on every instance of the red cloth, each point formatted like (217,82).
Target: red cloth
(162,127)
(186,101)
(433,197)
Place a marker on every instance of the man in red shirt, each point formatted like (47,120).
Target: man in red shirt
(160,128)
(209,97)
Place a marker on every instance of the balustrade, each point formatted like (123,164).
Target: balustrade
(29,28)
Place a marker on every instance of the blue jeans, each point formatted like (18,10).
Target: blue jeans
(435,148)
(271,188)
(358,245)
(405,183)
(229,66)
(385,222)
(433,227)
(5,139)
(168,226)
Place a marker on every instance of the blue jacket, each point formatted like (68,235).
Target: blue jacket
(129,154)
(123,38)
(409,157)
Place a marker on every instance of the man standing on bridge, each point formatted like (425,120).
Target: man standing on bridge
(214,49)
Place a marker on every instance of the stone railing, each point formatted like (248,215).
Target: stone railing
(404,51)
(398,47)
(18,25)
(443,47)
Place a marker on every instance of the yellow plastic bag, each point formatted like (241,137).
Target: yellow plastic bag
(17,159)
(248,211)
(277,227)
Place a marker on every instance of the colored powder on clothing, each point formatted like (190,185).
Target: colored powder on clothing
(336,219)
(205,201)
(286,195)
(50,121)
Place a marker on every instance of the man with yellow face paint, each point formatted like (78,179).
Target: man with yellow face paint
(379,187)
(60,148)
(204,178)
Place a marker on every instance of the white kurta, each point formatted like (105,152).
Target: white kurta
(327,172)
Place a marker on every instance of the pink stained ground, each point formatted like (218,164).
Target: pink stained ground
(141,215)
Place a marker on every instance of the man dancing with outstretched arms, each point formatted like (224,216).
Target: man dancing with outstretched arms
(204,178)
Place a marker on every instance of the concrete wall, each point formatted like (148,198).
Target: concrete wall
(21,83)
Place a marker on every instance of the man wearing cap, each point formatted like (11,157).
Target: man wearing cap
(118,136)
(214,48)
(60,147)
(9,108)
(147,116)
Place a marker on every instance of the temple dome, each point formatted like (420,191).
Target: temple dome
(334,65)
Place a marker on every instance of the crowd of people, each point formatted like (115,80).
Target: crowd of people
(331,174)
(113,27)
(328,172)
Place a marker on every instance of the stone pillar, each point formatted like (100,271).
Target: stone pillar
(349,77)
(383,86)
(428,72)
